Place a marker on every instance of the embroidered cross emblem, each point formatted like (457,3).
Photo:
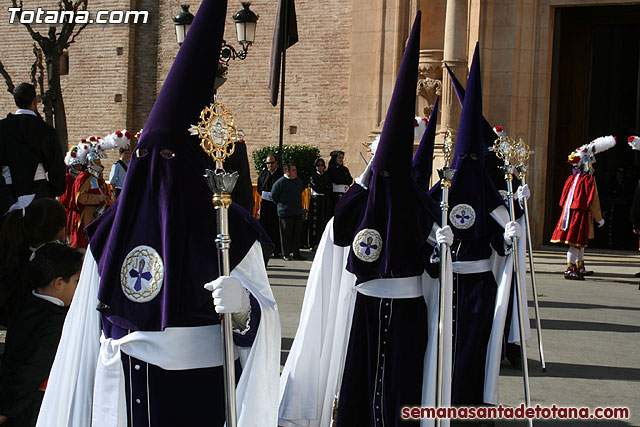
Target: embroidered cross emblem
(369,245)
(139,275)
(462,216)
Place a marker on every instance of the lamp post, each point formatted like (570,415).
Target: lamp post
(246,21)
(182,23)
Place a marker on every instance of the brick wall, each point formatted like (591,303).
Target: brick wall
(317,74)
(318,67)
(96,72)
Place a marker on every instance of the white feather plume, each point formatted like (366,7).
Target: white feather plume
(373,147)
(634,142)
(420,128)
(603,143)
(117,139)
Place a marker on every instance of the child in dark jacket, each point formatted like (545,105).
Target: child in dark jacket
(34,333)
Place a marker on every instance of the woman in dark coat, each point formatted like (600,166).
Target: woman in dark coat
(319,208)
(340,177)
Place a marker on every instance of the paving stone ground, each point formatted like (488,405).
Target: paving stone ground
(590,330)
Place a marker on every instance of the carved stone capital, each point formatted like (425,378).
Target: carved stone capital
(429,79)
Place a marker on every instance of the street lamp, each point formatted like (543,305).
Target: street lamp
(245,20)
(182,21)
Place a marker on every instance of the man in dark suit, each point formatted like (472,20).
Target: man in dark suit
(268,212)
(31,159)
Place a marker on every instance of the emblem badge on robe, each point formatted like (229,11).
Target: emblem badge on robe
(367,245)
(142,274)
(462,216)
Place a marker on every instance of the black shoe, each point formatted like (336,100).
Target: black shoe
(514,356)
(637,274)
(299,257)
(287,258)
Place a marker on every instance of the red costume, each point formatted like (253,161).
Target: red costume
(87,191)
(580,207)
(68,200)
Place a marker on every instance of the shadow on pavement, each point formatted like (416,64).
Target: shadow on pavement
(575,370)
(580,306)
(577,325)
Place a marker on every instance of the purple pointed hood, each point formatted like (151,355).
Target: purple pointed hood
(491,161)
(472,196)
(155,247)
(423,159)
(387,225)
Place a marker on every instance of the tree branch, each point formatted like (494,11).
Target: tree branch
(63,41)
(7,78)
(73,38)
(34,66)
(34,34)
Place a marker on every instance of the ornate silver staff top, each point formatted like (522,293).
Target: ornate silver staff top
(218,135)
(448,148)
(522,156)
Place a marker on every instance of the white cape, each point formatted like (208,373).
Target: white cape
(312,375)
(68,399)
(503,273)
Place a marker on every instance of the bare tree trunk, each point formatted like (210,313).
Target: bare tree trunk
(7,78)
(52,59)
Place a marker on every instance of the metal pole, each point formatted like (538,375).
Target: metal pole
(523,345)
(285,42)
(221,184)
(222,201)
(533,278)
(444,206)
(446,175)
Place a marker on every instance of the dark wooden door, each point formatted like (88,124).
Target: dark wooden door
(594,92)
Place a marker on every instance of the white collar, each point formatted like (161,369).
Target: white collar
(54,300)
(25,111)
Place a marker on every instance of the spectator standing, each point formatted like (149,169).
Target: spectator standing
(119,171)
(22,232)
(340,177)
(31,158)
(287,193)
(34,334)
(319,213)
(268,211)
(92,198)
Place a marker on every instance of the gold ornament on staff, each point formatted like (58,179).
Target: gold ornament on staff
(446,175)
(523,152)
(218,135)
(448,147)
(505,149)
(217,132)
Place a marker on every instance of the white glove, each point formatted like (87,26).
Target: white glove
(363,180)
(444,235)
(229,296)
(601,223)
(511,229)
(523,193)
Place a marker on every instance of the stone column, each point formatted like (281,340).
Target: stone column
(455,56)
